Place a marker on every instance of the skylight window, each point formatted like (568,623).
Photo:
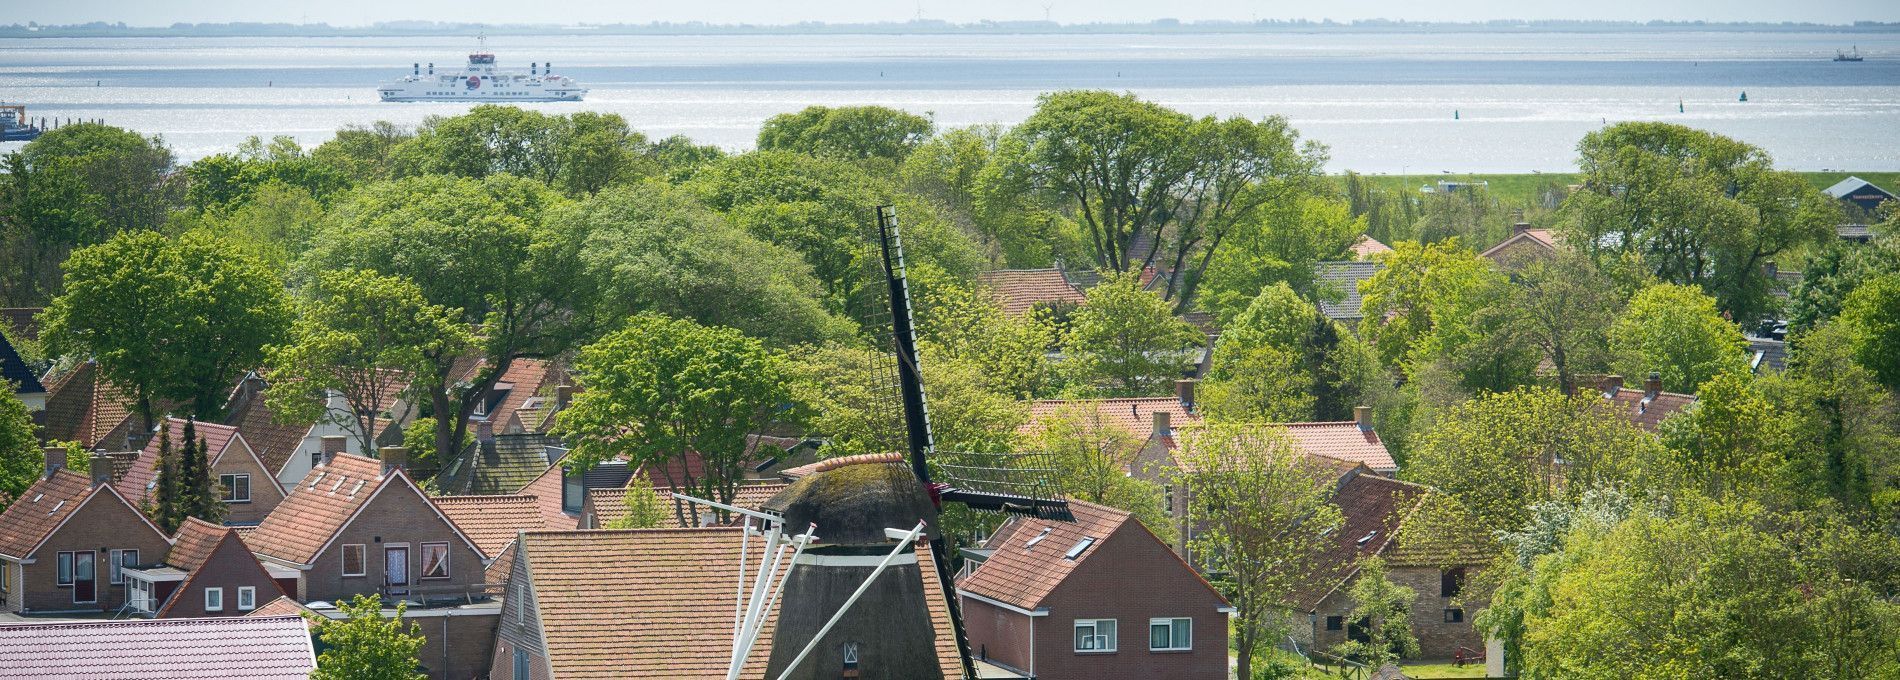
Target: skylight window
(56,507)
(1038,539)
(315,480)
(358,487)
(38,496)
(1368,537)
(338,484)
(1079,547)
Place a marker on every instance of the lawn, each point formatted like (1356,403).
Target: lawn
(1444,670)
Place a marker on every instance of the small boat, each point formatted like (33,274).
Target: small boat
(14,126)
(1744,95)
(1848,56)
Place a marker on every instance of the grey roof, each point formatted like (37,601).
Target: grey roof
(228,647)
(1767,355)
(15,370)
(1848,186)
(513,461)
(1342,279)
(1853,232)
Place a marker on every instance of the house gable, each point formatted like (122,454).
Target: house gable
(229,566)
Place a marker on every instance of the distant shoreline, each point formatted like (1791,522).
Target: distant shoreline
(1159,27)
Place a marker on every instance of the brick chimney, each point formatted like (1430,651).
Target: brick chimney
(1520,228)
(101,469)
(1652,385)
(1163,423)
(485,433)
(331,445)
(394,458)
(1612,384)
(563,395)
(1363,416)
(1184,390)
(55,459)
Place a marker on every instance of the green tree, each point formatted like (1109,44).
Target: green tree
(959,322)
(1425,307)
(1563,306)
(1095,461)
(166,505)
(679,158)
(1133,171)
(275,223)
(1501,453)
(490,139)
(662,390)
(834,399)
(366,645)
(1126,342)
(1732,440)
(1872,316)
(365,337)
(846,132)
(597,150)
(1383,610)
(1281,360)
(1280,244)
(1263,516)
(21,462)
(363,152)
(644,508)
(1701,209)
(199,494)
(657,249)
(169,318)
(961,171)
(73,187)
(1834,272)
(1676,331)
(1845,426)
(482,247)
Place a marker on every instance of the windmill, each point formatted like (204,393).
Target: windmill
(851,512)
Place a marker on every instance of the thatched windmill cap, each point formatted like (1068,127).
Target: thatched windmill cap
(852,503)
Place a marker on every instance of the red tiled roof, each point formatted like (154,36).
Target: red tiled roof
(1136,415)
(285,606)
(136,483)
(658,603)
(274,442)
(40,509)
(1019,290)
(260,648)
(1367,246)
(193,544)
(524,376)
(1343,441)
(1647,410)
(1023,575)
(1373,508)
(317,507)
(82,407)
(1543,238)
(546,491)
(492,521)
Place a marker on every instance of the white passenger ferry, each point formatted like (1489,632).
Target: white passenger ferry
(482,81)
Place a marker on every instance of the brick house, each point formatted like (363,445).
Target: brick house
(1525,245)
(81,406)
(1098,598)
(1375,510)
(65,542)
(1645,408)
(1022,290)
(358,526)
(289,450)
(209,572)
(662,597)
(250,490)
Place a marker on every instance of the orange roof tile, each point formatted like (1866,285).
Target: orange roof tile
(40,510)
(82,407)
(610,504)
(138,480)
(492,521)
(1343,441)
(274,442)
(546,491)
(1136,414)
(1367,246)
(1648,410)
(658,603)
(1020,290)
(193,543)
(285,606)
(1373,509)
(317,507)
(1021,573)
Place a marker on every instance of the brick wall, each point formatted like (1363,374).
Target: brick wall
(456,644)
(398,515)
(1131,578)
(104,524)
(230,567)
(1436,638)
(265,495)
(997,634)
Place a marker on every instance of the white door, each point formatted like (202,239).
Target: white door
(396,569)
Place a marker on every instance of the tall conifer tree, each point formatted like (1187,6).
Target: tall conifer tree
(165,506)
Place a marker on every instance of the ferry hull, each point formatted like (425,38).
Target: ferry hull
(486,97)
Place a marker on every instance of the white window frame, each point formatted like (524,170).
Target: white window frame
(1180,634)
(362,559)
(1099,643)
(230,488)
(139,595)
(247,598)
(67,564)
(426,547)
(214,599)
(119,563)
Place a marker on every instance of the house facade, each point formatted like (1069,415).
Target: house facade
(1100,598)
(66,541)
(209,572)
(245,482)
(359,526)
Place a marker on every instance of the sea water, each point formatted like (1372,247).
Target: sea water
(1414,103)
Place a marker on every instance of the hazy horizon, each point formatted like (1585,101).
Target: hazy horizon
(361,12)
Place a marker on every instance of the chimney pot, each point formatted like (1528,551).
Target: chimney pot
(1520,228)
(1184,390)
(484,431)
(333,444)
(55,459)
(1652,385)
(101,469)
(1612,384)
(1363,416)
(394,458)
(1163,423)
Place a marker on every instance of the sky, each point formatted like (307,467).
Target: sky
(361,12)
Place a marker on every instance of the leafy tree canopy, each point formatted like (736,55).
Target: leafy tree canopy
(1676,331)
(846,132)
